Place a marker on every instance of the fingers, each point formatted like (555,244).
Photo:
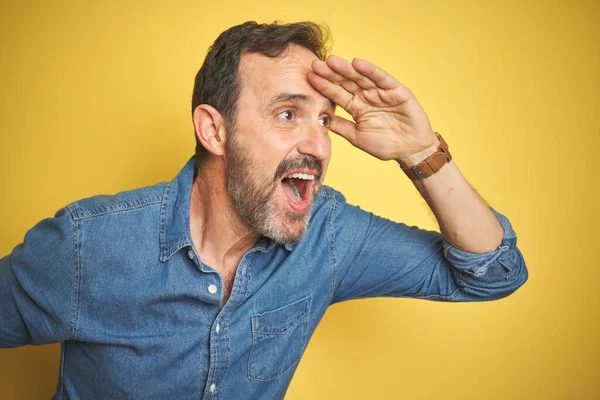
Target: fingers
(375,74)
(321,68)
(360,75)
(335,93)
(345,69)
(341,72)
(344,128)
(354,85)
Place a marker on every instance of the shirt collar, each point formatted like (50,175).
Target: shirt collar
(175,212)
(175,216)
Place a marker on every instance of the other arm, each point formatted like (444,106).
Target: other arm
(474,259)
(37,285)
(390,124)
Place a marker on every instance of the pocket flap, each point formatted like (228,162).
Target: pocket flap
(282,319)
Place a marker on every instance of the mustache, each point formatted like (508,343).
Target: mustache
(300,162)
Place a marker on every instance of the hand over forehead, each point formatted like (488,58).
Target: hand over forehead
(388,121)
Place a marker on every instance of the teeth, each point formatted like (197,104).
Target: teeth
(302,176)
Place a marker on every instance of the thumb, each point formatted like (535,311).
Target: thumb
(344,128)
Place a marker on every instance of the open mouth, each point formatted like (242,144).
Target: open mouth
(297,187)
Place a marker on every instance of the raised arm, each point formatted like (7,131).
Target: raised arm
(390,124)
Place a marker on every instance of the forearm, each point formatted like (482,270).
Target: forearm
(464,219)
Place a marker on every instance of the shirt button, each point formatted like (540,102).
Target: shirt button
(212,289)
(212,388)
(191,254)
(218,328)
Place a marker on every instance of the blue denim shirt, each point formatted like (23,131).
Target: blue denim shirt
(118,281)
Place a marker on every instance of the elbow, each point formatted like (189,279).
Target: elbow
(515,273)
(498,280)
(518,273)
(515,270)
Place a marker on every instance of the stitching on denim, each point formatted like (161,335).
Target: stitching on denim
(304,343)
(102,211)
(249,276)
(433,297)
(302,300)
(163,227)
(330,238)
(279,333)
(228,343)
(479,269)
(76,279)
(201,360)
(328,192)
(304,338)
(180,244)
(212,369)
(244,290)
(276,376)
(443,297)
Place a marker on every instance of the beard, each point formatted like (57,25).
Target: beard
(257,202)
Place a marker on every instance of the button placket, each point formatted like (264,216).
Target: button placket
(220,340)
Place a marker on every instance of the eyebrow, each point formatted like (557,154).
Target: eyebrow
(284,97)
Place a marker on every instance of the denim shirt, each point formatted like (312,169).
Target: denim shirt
(118,281)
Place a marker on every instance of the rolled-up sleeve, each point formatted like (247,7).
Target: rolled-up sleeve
(377,257)
(38,285)
(489,276)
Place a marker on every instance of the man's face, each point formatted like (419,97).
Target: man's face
(277,157)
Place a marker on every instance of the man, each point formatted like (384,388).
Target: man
(211,286)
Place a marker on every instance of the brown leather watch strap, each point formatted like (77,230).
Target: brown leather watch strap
(431,164)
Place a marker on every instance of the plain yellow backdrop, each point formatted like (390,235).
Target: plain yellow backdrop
(95,98)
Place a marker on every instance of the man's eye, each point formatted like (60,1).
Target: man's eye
(324,121)
(287,115)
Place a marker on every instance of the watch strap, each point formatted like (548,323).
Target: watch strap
(431,164)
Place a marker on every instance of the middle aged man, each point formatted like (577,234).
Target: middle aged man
(210,286)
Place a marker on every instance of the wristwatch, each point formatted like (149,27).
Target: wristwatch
(431,164)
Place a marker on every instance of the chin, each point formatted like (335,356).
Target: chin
(288,227)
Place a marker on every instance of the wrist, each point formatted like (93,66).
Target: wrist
(418,157)
(427,162)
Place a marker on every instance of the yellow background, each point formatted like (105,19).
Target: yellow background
(95,98)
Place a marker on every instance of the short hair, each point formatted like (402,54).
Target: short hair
(217,82)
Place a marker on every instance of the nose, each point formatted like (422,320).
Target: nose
(316,142)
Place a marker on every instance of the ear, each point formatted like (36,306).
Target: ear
(210,129)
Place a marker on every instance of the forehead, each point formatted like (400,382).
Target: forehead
(264,75)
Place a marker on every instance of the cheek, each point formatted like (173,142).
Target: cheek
(328,158)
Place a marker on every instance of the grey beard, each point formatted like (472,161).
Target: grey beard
(257,205)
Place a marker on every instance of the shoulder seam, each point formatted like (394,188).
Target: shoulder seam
(327,192)
(79,215)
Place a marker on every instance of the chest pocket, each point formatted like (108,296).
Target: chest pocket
(278,340)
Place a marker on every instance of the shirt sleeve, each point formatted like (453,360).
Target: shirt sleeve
(37,285)
(378,257)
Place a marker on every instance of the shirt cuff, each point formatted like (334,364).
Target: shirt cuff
(477,263)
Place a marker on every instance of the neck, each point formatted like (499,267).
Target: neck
(220,236)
